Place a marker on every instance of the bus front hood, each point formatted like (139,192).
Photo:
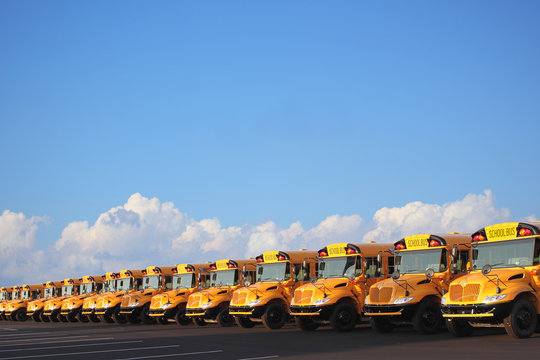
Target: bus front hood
(316,293)
(213,296)
(264,291)
(408,288)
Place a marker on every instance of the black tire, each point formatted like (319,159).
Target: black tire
(244,322)
(306,323)
(224,319)
(36,316)
(199,321)
(428,318)
(163,320)
(381,324)
(63,318)
(54,317)
(521,322)
(82,318)
(344,317)
(274,317)
(181,318)
(21,315)
(93,318)
(145,315)
(459,327)
(118,318)
(44,317)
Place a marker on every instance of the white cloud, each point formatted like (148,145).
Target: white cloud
(469,214)
(18,248)
(144,232)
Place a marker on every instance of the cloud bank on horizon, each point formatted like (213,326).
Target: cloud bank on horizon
(145,232)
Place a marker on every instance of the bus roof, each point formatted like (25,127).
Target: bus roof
(110,276)
(227,264)
(187,268)
(92,279)
(131,273)
(50,284)
(507,231)
(32,287)
(430,241)
(6,289)
(345,249)
(71,281)
(278,256)
(158,270)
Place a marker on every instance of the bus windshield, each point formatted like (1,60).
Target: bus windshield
(504,254)
(224,278)
(109,285)
(25,295)
(86,288)
(15,295)
(184,281)
(417,262)
(273,272)
(152,282)
(337,267)
(49,292)
(3,296)
(125,284)
(67,290)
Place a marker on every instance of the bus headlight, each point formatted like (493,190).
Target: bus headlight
(254,302)
(134,304)
(493,298)
(107,305)
(92,306)
(443,300)
(403,300)
(165,306)
(320,302)
(205,305)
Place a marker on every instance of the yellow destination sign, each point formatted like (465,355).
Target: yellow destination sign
(417,241)
(337,249)
(222,264)
(124,274)
(270,256)
(505,231)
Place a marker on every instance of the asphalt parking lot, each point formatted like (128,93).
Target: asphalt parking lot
(29,340)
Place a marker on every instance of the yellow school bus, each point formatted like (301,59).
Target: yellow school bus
(52,307)
(346,271)
(108,304)
(425,264)
(71,307)
(136,306)
(503,285)
(171,305)
(90,302)
(51,289)
(212,304)
(16,309)
(5,297)
(278,275)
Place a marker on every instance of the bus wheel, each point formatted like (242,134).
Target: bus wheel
(82,318)
(118,318)
(459,327)
(133,319)
(163,320)
(381,325)
(274,316)
(521,322)
(224,319)
(181,318)
(54,317)
(199,321)
(36,316)
(63,318)
(72,317)
(21,315)
(306,323)
(427,319)
(145,315)
(343,317)
(93,318)
(244,322)
(43,317)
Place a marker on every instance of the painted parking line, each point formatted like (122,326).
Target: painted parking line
(90,352)
(78,345)
(38,333)
(44,338)
(58,342)
(169,355)
(9,329)
(261,357)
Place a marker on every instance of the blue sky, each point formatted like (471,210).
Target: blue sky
(266,111)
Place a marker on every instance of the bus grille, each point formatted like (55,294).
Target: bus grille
(194,301)
(382,295)
(239,297)
(303,297)
(156,302)
(126,301)
(469,293)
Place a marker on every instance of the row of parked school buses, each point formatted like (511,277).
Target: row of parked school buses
(488,278)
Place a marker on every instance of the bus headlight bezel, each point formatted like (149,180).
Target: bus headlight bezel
(493,298)
(403,300)
(320,302)
(206,305)
(254,302)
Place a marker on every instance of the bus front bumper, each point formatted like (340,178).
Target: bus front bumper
(400,312)
(134,311)
(208,313)
(479,312)
(251,311)
(318,312)
(165,313)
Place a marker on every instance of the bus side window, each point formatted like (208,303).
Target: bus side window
(536,256)
(371,270)
(462,260)
(250,276)
(298,272)
(168,282)
(444,261)
(316,272)
(390,264)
